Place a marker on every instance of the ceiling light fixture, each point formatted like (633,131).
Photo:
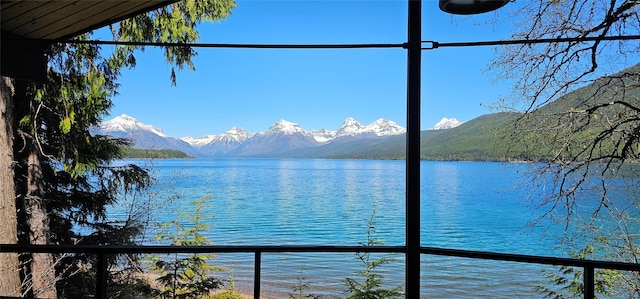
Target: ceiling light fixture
(470,7)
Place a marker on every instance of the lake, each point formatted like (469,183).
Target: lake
(464,205)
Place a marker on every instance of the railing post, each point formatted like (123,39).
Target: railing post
(101,277)
(589,282)
(256,275)
(412,259)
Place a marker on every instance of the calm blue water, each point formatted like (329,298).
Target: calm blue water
(328,202)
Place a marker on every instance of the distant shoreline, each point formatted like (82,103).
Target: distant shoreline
(136,153)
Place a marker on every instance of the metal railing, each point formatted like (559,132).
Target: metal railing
(102,252)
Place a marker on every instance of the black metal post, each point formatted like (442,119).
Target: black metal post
(589,284)
(256,275)
(101,277)
(412,273)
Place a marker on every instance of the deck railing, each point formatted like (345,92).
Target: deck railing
(102,252)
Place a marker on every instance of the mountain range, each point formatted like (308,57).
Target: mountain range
(282,139)
(488,137)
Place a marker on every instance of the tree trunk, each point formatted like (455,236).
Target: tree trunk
(43,273)
(9,264)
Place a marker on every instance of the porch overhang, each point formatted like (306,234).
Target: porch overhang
(29,26)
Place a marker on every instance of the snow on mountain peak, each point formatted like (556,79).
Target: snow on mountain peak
(384,127)
(446,123)
(199,142)
(349,127)
(380,127)
(239,134)
(350,120)
(234,134)
(286,127)
(126,123)
(323,135)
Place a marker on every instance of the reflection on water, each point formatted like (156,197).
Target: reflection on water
(444,200)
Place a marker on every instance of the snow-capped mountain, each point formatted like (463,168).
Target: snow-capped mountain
(446,123)
(380,127)
(125,123)
(350,127)
(212,145)
(281,138)
(384,127)
(285,127)
(200,141)
(143,136)
(235,134)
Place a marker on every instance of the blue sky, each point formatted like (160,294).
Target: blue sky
(254,88)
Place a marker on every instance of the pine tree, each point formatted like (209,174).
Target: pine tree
(63,174)
(370,286)
(9,264)
(188,276)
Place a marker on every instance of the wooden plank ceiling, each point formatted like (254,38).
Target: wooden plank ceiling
(59,19)
(29,26)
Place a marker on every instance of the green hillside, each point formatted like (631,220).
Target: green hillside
(605,111)
(477,140)
(599,92)
(375,148)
